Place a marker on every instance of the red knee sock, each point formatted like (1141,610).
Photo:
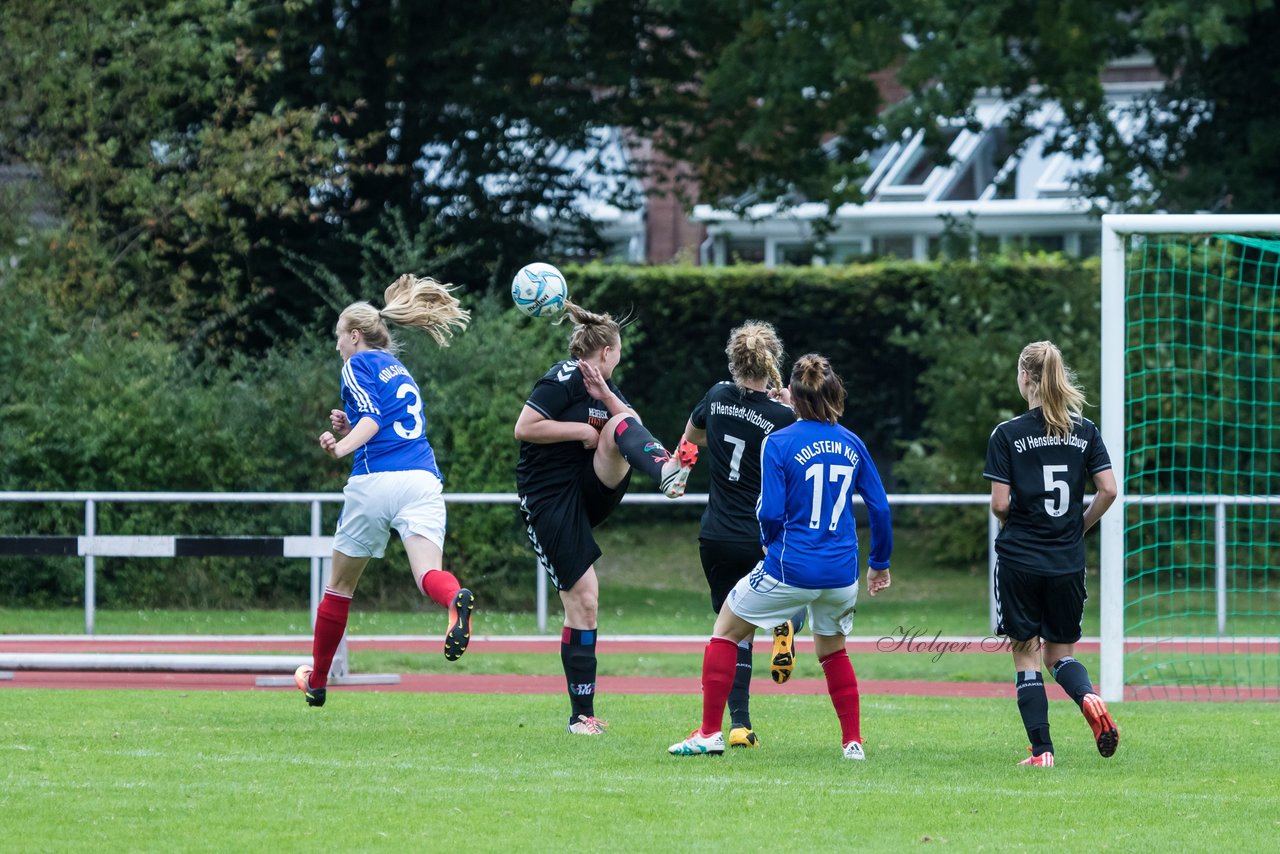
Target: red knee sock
(719,661)
(440,587)
(842,685)
(331,623)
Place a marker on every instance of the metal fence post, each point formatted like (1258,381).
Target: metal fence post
(993,528)
(90,592)
(316,571)
(542,598)
(1220,563)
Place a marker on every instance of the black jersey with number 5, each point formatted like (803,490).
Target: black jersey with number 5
(561,395)
(736,421)
(1046,475)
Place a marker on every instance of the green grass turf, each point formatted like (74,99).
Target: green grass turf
(651,582)
(259,771)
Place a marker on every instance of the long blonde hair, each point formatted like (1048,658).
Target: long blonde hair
(1048,377)
(591,331)
(754,352)
(410,301)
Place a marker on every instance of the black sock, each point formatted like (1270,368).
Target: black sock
(578,655)
(740,693)
(797,620)
(1074,678)
(639,448)
(1033,705)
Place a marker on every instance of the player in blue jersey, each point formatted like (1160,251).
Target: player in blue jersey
(579,440)
(808,472)
(732,421)
(1038,464)
(394,481)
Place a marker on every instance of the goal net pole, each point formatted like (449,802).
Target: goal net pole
(1115,228)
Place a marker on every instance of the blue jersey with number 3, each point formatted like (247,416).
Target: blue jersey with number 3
(375,385)
(808,475)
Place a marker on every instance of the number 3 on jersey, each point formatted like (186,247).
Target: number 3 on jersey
(414,430)
(842,474)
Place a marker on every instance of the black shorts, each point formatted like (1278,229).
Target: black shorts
(725,564)
(559,524)
(1030,605)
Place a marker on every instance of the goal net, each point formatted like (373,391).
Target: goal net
(1190,559)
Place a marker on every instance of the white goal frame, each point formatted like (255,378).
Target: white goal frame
(1115,227)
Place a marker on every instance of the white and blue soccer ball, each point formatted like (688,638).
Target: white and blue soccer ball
(539,290)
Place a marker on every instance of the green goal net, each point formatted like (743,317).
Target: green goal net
(1200,497)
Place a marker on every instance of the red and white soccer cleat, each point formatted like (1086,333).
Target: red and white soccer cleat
(1104,728)
(1044,760)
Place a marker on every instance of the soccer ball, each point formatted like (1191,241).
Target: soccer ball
(539,290)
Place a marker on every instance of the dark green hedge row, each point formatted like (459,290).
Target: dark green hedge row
(927,351)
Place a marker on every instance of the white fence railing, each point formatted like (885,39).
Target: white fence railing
(314,546)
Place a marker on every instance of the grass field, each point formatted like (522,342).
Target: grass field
(259,771)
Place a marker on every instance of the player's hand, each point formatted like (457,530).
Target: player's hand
(338,421)
(594,381)
(590,437)
(329,444)
(782,395)
(877,580)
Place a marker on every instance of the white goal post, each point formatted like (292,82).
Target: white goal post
(1115,228)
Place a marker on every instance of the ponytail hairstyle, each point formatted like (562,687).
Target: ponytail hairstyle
(817,392)
(410,301)
(591,331)
(754,352)
(1048,378)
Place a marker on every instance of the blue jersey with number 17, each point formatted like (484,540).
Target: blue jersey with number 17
(808,475)
(375,385)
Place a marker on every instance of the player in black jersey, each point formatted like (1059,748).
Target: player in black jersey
(1038,464)
(731,422)
(579,440)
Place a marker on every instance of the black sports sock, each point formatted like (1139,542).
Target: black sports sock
(578,655)
(1033,705)
(1074,678)
(797,620)
(740,693)
(639,448)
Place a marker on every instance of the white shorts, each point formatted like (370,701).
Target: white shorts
(764,601)
(410,501)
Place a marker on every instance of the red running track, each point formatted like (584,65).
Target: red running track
(542,684)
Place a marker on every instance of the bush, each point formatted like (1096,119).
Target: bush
(927,352)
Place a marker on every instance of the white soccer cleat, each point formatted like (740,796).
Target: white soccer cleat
(675,471)
(587,725)
(698,744)
(853,750)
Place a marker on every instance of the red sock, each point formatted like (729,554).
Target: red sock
(331,624)
(440,586)
(719,661)
(842,685)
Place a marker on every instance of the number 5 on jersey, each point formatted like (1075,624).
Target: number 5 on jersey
(1057,505)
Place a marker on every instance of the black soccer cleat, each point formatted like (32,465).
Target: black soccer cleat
(459,633)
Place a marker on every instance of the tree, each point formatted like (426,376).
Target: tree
(175,180)
(194,147)
(1207,139)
